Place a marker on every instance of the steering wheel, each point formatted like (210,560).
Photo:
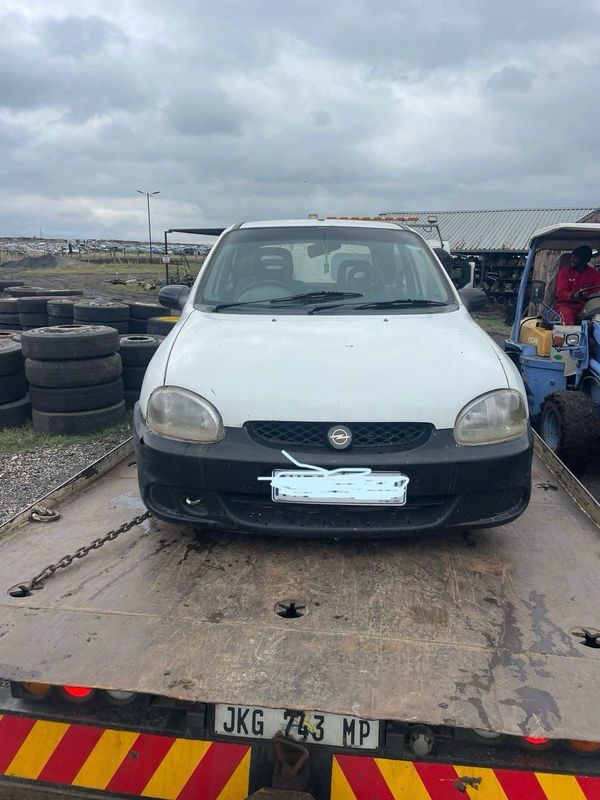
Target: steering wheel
(580,294)
(267,284)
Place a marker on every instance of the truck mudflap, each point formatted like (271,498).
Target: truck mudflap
(79,758)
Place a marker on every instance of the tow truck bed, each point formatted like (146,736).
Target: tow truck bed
(464,629)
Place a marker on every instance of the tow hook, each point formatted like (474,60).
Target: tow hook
(291,764)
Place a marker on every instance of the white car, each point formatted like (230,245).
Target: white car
(326,378)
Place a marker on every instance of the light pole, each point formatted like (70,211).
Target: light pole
(148,195)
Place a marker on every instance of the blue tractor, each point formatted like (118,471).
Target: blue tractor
(560,364)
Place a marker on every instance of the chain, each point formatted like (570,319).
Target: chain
(26,588)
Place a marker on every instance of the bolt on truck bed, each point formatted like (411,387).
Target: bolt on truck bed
(456,631)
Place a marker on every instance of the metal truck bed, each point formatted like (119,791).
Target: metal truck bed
(463,629)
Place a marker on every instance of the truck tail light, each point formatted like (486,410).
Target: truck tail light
(37,691)
(77,694)
(119,698)
(537,742)
(584,748)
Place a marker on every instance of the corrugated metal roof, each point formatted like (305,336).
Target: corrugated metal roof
(504,229)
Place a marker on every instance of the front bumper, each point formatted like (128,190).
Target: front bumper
(216,486)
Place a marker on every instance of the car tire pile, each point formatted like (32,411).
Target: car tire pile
(15,409)
(102,312)
(74,375)
(60,311)
(140,313)
(136,352)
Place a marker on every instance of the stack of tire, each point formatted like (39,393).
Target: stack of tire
(140,313)
(9,313)
(15,409)
(136,351)
(5,284)
(162,325)
(60,311)
(74,375)
(98,311)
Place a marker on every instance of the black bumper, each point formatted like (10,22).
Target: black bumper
(216,487)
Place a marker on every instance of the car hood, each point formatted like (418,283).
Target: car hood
(334,368)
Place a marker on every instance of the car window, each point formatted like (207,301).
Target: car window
(261,264)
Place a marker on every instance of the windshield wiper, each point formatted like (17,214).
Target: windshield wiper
(290,299)
(401,303)
(380,304)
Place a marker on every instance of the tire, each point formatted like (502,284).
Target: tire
(100,311)
(131,397)
(11,357)
(162,325)
(54,321)
(144,310)
(122,326)
(133,377)
(60,293)
(5,284)
(12,387)
(138,349)
(9,305)
(82,398)
(60,307)
(66,342)
(570,429)
(79,422)
(33,305)
(72,374)
(9,319)
(13,415)
(7,334)
(138,325)
(24,291)
(33,320)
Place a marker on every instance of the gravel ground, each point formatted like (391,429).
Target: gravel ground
(27,476)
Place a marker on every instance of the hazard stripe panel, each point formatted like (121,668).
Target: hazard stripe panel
(365,778)
(123,762)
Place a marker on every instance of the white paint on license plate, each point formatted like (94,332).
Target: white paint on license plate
(335,730)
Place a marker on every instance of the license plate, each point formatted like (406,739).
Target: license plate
(335,730)
(352,486)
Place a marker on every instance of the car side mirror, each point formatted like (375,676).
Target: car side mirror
(474,299)
(174,296)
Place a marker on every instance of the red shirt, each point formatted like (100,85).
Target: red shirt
(569,281)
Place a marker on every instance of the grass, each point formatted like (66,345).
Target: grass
(26,440)
(493,325)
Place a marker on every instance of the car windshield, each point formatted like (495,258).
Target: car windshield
(253,268)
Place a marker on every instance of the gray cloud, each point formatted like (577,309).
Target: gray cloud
(236,110)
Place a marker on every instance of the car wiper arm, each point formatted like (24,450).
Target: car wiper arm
(401,304)
(289,299)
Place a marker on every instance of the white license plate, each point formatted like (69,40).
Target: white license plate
(339,487)
(335,730)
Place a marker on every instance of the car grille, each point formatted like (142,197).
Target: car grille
(365,435)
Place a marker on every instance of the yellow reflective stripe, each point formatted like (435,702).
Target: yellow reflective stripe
(175,769)
(237,785)
(560,787)
(37,748)
(402,779)
(105,759)
(488,789)
(340,788)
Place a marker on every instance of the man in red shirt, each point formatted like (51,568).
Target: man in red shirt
(578,275)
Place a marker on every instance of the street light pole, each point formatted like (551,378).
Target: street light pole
(148,195)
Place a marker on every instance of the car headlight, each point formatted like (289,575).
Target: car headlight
(180,414)
(494,417)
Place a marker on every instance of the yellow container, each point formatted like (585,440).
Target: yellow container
(533,333)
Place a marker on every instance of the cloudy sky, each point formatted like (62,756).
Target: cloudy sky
(250,109)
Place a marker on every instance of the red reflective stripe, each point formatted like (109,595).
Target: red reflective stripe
(211,775)
(364,778)
(140,764)
(70,754)
(438,779)
(520,784)
(13,732)
(590,787)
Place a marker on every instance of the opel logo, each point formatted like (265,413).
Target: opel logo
(339,437)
